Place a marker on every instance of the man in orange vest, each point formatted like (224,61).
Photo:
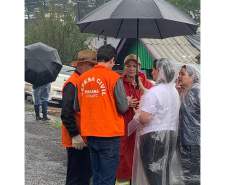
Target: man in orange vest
(78,164)
(102,101)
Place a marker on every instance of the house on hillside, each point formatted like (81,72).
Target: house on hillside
(95,42)
(180,49)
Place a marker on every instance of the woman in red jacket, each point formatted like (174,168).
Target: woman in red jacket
(124,172)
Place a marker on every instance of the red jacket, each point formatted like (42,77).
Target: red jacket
(127,142)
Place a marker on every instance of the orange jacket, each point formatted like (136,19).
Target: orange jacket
(65,137)
(99,116)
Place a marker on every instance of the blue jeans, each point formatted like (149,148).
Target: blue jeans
(104,155)
(41,94)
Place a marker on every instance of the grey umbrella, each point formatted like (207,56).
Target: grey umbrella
(138,19)
(42,64)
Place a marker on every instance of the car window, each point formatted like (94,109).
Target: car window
(67,70)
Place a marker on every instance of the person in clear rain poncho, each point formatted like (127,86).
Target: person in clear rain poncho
(158,125)
(189,125)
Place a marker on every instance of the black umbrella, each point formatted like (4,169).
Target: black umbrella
(42,64)
(138,19)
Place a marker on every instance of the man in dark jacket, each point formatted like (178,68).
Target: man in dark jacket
(78,165)
(102,101)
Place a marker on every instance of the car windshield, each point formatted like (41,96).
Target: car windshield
(67,70)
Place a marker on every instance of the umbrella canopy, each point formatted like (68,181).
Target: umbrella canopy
(138,19)
(42,64)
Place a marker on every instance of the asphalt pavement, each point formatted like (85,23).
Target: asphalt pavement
(45,159)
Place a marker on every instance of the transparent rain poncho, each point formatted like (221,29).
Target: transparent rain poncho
(189,129)
(190,110)
(155,158)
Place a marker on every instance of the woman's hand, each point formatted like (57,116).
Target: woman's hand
(181,90)
(141,86)
(144,117)
(132,102)
(125,72)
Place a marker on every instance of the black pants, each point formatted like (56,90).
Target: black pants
(156,150)
(190,161)
(78,167)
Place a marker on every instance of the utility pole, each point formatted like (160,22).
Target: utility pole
(78,15)
(78,10)
(105,37)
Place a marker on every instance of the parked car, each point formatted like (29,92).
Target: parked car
(56,86)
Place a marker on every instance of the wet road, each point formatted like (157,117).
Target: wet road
(45,159)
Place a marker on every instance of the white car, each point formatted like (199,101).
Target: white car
(55,95)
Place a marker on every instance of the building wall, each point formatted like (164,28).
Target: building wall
(130,47)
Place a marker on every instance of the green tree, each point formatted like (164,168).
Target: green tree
(55,26)
(192,7)
(84,7)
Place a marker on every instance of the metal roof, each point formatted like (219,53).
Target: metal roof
(175,48)
(194,40)
(130,47)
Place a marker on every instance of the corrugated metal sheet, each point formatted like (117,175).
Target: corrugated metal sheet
(194,40)
(145,57)
(175,48)
(129,46)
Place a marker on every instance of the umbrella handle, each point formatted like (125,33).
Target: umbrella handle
(137,81)
(137,71)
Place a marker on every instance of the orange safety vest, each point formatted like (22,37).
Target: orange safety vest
(99,115)
(65,137)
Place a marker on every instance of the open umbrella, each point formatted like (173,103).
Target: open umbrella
(138,19)
(42,64)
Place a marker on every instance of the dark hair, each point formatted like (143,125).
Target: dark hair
(106,53)
(154,63)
